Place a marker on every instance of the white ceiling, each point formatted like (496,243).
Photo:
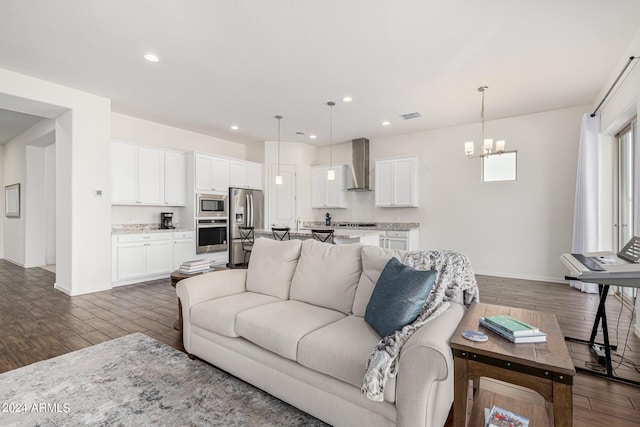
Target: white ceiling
(241,62)
(13,124)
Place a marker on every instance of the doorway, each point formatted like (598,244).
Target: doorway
(282,198)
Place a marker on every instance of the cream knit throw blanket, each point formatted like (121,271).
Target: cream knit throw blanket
(454,275)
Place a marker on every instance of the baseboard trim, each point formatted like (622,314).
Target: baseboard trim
(522,277)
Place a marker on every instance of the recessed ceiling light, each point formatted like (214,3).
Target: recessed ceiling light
(151,57)
(347,99)
(386,123)
(312,136)
(234,127)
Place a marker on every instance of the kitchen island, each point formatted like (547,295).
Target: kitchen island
(340,237)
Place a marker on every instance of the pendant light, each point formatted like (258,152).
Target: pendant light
(331,175)
(279,177)
(487,144)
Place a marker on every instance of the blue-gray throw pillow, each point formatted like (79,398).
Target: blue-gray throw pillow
(398,297)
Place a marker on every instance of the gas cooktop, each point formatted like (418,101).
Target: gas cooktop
(357,224)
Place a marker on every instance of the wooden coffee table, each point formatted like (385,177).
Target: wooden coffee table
(542,367)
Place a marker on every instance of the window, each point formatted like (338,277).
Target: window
(628,199)
(499,167)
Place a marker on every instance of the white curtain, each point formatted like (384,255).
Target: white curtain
(586,221)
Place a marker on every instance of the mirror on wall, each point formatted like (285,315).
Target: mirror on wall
(12,201)
(499,167)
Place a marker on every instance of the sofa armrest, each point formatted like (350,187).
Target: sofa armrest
(204,287)
(424,387)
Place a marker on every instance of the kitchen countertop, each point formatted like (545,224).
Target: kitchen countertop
(383,226)
(118,229)
(338,233)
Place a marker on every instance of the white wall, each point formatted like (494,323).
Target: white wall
(144,132)
(83,153)
(50,203)
(35,206)
(2,217)
(514,229)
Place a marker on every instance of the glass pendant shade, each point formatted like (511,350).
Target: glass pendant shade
(331,175)
(278,179)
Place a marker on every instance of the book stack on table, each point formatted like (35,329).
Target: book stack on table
(512,329)
(195,266)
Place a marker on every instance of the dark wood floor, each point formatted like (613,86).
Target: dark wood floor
(39,323)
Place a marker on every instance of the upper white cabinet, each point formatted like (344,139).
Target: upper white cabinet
(147,176)
(245,174)
(325,193)
(150,176)
(175,179)
(212,174)
(396,182)
(124,173)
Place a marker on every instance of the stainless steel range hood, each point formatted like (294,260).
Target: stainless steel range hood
(360,158)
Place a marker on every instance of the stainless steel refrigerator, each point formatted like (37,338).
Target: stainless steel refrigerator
(246,208)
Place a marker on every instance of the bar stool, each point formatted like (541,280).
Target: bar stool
(323,235)
(281,233)
(247,239)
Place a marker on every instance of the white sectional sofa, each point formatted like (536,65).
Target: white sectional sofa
(293,324)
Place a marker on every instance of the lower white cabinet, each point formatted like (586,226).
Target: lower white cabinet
(145,256)
(403,240)
(184,247)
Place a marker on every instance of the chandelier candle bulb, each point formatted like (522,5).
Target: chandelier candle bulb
(500,146)
(488,145)
(468,148)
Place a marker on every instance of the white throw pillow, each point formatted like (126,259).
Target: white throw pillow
(272,265)
(327,275)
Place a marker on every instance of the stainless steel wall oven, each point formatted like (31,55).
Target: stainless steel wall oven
(211,235)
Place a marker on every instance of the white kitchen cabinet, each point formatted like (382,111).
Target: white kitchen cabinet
(175,179)
(254,175)
(396,182)
(150,176)
(124,173)
(325,193)
(403,240)
(243,174)
(184,247)
(141,257)
(147,176)
(212,174)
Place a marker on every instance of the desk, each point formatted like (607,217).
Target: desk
(542,367)
(623,273)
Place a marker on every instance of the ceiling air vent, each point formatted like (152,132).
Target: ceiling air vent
(410,116)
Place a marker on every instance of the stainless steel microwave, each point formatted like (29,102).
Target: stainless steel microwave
(211,205)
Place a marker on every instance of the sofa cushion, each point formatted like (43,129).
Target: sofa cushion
(219,314)
(374,259)
(279,326)
(272,265)
(327,275)
(341,350)
(398,297)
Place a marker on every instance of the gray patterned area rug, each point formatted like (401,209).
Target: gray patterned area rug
(136,381)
